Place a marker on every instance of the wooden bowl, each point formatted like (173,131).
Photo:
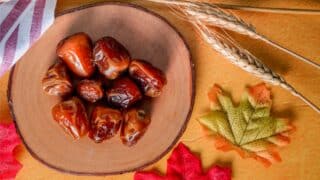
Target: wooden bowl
(147,36)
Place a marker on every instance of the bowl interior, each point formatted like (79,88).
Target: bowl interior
(147,37)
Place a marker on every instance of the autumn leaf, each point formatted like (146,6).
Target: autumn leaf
(247,128)
(9,140)
(183,165)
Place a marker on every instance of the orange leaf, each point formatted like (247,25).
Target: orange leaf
(213,95)
(260,93)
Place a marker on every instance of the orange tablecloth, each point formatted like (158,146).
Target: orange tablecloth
(301,33)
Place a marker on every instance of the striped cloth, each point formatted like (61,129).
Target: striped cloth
(22,22)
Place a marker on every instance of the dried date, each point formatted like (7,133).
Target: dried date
(151,79)
(111,57)
(57,81)
(134,126)
(105,123)
(76,52)
(123,93)
(90,90)
(72,117)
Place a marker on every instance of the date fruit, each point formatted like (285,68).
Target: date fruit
(134,126)
(76,52)
(57,81)
(72,117)
(111,57)
(150,79)
(123,93)
(90,90)
(103,71)
(105,123)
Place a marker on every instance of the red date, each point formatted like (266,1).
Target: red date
(111,57)
(134,126)
(90,90)
(123,93)
(57,81)
(76,52)
(105,123)
(151,79)
(72,117)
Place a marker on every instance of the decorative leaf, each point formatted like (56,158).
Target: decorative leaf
(183,165)
(9,140)
(247,128)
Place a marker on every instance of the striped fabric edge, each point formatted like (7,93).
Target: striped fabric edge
(29,25)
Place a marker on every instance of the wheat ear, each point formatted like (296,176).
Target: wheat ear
(269,9)
(211,15)
(253,8)
(245,60)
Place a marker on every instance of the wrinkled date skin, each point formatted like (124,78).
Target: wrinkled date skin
(111,57)
(150,79)
(134,126)
(72,117)
(105,123)
(123,93)
(90,90)
(57,81)
(76,52)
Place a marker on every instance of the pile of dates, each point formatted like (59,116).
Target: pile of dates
(102,88)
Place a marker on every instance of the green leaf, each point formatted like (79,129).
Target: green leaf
(249,125)
(217,121)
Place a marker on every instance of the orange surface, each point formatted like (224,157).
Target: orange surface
(301,33)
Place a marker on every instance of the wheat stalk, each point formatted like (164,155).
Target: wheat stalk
(245,60)
(230,49)
(203,15)
(211,15)
(253,8)
(269,9)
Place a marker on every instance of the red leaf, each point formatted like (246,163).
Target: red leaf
(9,140)
(183,165)
(219,173)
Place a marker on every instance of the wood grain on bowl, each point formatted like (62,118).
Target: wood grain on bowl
(147,36)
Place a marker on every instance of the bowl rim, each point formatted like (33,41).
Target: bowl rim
(174,142)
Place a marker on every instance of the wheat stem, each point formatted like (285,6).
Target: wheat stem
(247,61)
(203,15)
(269,9)
(304,59)
(209,14)
(302,97)
(215,17)
(249,8)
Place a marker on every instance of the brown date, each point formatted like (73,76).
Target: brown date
(76,52)
(150,79)
(57,81)
(123,93)
(134,126)
(72,117)
(105,123)
(111,57)
(90,90)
